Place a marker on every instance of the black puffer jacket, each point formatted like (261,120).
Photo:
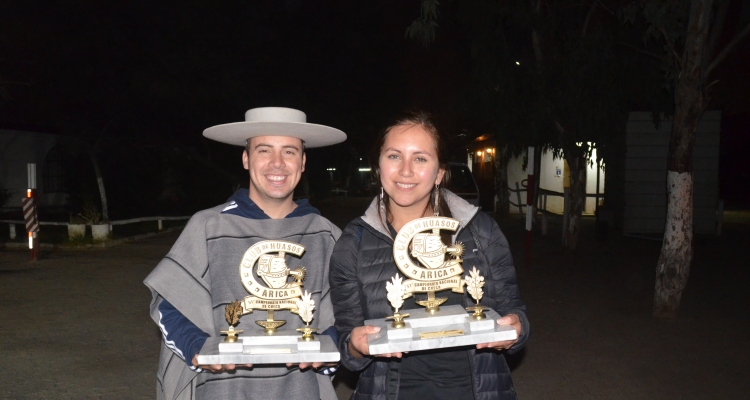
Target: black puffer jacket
(362,263)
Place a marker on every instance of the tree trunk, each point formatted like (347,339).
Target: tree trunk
(577,166)
(100,183)
(673,268)
(502,206)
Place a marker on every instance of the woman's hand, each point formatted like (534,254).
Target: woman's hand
(512,320)
(358,347)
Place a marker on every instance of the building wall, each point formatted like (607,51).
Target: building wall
(17,148)
(551,176)
(645,192)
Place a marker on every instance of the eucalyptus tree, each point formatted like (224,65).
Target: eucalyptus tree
(689,32)
(548,74)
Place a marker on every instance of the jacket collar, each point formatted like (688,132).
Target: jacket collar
(240,204)
(460,208)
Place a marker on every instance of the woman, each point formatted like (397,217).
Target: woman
(411,167)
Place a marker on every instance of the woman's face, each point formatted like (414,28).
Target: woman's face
(409,167)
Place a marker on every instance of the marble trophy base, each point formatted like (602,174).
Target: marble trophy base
(449,318)
(281,348)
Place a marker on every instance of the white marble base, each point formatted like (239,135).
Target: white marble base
(455,317)
(482,324)
(312,345)
(402,333)
(235,347)
(264,352)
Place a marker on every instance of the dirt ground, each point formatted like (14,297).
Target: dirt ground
(75,324)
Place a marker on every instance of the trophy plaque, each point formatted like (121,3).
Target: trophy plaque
(431,266)
(279,288)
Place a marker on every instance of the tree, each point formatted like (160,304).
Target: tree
(547,92)
(689,32)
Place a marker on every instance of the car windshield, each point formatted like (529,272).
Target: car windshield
(461,180)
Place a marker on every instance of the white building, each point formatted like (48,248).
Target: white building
(17,149)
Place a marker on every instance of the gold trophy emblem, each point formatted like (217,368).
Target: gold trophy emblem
(277,292)
(438,265)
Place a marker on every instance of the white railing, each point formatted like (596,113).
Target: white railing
(12,223)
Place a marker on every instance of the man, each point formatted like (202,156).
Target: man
(200,275)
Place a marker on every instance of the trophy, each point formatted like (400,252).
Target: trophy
(279,288)
(431,266)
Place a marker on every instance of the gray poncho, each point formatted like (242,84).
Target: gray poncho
(200,275)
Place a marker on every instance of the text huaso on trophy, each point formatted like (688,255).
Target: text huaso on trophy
(279,288)
(430,266)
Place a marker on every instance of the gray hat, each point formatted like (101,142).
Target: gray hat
(275,121)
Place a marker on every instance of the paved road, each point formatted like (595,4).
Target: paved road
(75,324)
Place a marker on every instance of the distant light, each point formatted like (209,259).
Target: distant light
(365,169)
(518,63)
(28,192)
(489,151)
(479,153)
(31,240)
(360,159)
(330,169)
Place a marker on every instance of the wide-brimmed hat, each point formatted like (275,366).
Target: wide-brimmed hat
(275,121)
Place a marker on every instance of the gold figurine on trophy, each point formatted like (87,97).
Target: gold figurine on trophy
(232,313)
(395,296)
(305,307)
(474,283)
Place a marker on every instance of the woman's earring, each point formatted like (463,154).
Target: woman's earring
(436,207)
(382,200)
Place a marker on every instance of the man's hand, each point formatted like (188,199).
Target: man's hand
(512,320)
(358,347)
(216,368)
(316,365)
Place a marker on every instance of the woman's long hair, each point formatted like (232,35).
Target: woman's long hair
(423,120)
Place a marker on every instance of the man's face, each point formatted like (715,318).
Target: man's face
(275,164)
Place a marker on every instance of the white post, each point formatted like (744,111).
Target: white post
(12,231)
(31,173)
(160,226)
(566,200)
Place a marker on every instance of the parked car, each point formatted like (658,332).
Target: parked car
(462,183)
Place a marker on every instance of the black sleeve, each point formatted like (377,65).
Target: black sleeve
(504,282)
(345,294)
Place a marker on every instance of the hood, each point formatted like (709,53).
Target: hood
(460,208)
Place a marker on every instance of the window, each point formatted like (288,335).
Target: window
(53,173)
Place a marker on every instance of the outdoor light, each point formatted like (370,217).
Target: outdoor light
(518,63)
(365,169)
(31,240)
(330,169)
(479,153)
(28,192)
(489,151)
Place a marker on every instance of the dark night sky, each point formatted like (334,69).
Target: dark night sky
(165,70)
(173,68)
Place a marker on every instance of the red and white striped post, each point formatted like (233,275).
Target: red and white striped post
(530,211)
(29,211)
